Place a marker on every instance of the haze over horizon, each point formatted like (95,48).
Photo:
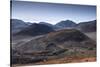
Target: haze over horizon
(51,12)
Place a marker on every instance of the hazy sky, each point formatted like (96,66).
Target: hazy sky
(52,13)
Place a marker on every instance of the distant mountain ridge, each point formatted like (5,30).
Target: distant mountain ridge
(17,25)
(36,29)
(21,27)
(89,26)
(50,25)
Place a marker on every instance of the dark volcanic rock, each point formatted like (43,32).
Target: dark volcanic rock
(52,45)
(36,29)
(51,41)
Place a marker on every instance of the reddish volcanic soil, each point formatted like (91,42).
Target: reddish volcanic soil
(68,60)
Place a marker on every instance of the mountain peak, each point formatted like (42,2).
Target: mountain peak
(66,23)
